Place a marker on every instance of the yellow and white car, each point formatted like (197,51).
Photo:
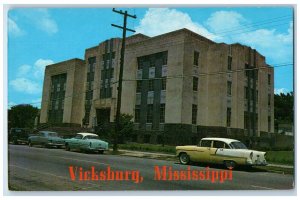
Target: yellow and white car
(225,151)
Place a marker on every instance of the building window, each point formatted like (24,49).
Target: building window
(196,58)
(256,95)
(162,113)
(138,86)
(152,63)
(91,85)
(111,73)
(229,62)
(137,114)
(269,123)
(64,87)
(165,59)
(150,97)
(62,104)
(245,120)
(58,87)
(246,92)
(163,84)
(229,88)
(195,83)
(140,63)
(269,79)
(246,70)
(56,105)
(269,99)
(228,117)
(149,113)
(150,85)
(194,114)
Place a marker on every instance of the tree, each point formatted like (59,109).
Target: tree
(22,116)
(126,127)
(284,108)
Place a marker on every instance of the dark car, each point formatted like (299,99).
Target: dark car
(46,139)
(18,135)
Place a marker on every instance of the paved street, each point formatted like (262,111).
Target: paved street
(40,169)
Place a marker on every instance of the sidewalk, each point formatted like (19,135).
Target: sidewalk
(166,156)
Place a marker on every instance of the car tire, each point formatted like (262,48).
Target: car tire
(184,158)
(101,152)
(15,141)
(229,164)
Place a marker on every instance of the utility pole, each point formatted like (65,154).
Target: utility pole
(124,28)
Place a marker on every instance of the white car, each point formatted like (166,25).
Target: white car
(225,151)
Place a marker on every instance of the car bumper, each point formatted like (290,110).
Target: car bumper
(97,149)
(256,163)
(55,144)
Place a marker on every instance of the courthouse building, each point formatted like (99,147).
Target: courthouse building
(179,86)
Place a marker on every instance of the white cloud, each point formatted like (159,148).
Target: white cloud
(162,20)
(224,21)
(25,85)
(39,67)
(281,90)
(41,19)
(23,70)
(13,28)
(29,78)
(232,27)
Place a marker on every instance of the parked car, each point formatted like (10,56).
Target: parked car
(18,135)
(46,139)
(86,142)
(225,151)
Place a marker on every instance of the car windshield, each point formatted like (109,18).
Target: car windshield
(238,145)
(92,137)
(52,134)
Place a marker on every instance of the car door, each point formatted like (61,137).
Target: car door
(74,142)
(43,138)
(216,146)
(202,151)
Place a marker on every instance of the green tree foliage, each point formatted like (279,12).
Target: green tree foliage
(22,116)
(284,107)
(126,126)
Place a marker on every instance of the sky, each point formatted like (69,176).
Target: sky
(38,37)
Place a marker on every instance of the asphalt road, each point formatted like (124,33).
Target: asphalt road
(40,169)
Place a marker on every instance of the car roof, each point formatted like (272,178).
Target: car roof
(47,132)
(226,140)
(85,134)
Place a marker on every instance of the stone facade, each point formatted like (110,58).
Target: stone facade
(178,86)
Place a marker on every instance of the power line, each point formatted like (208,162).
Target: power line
(232,29)
(169,77)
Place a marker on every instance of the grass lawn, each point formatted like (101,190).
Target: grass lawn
(148,147)
(280,157)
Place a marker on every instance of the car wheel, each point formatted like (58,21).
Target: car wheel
(229,164)
(184,158)
(101,152)
(15,141)
(67,147)
(29,143)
